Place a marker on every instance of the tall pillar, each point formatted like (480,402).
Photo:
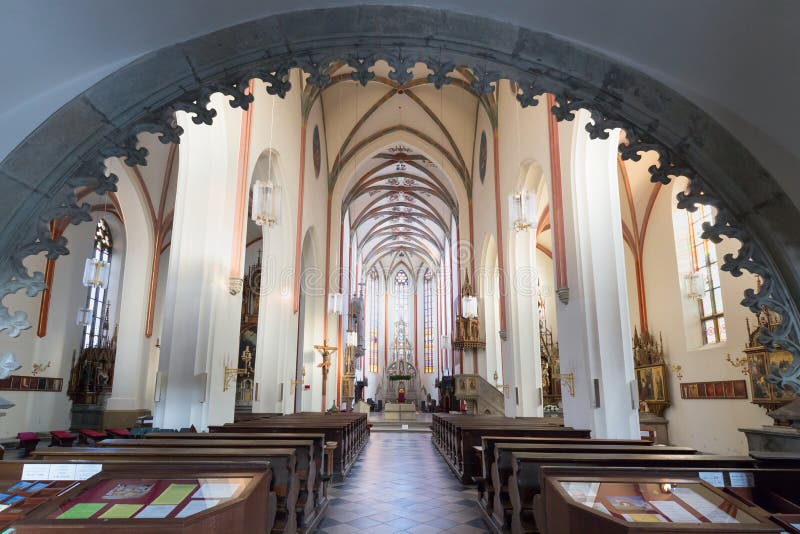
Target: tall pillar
(594,326)
(130,367)
(526,381)
(201,318)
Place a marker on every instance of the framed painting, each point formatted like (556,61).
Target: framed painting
(651,383)
(758,376)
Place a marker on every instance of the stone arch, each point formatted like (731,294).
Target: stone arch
(106,119)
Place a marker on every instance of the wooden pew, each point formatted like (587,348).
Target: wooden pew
(285,483)
(349,431)
(317,438)
(501,510)
(455,436)
(524,483)
(308,469)
(486,455)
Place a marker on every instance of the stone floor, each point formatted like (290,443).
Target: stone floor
(401,484)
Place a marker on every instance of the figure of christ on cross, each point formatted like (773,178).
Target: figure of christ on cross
(326,351)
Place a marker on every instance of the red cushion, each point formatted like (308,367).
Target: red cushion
(62,434)
(28,436)
(118,431)
(92,433)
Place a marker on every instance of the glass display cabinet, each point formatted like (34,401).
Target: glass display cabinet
(622,504)
(128,496)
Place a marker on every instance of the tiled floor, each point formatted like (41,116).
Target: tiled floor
(401,484)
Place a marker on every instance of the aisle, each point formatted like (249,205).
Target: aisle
(401,484)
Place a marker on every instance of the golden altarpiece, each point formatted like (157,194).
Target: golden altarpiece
(651,373)
(248,330)
(762,363)
(91,378)
(400,381)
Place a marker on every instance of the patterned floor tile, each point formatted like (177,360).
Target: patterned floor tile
(401,485)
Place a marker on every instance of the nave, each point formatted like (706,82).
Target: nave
(400,484)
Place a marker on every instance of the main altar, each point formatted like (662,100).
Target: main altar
(400,384)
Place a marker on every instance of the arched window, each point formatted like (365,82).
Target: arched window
(96,297)
(372,317)
(401,295)
(427,318)
(705,264)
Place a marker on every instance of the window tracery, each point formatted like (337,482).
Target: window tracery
(96,296)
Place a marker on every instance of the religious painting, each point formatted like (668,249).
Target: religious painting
(719,389)
(779,363)
(316,151)
(652,386)
(483,154)
(758,376)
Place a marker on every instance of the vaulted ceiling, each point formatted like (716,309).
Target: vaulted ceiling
(737,60)
(401,155)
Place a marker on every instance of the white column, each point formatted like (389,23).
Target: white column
(201,318)
(595,338)
(522,299)
(130,367)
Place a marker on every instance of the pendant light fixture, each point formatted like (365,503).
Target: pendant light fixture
(266,193)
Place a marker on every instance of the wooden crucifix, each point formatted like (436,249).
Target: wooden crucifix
(326,351)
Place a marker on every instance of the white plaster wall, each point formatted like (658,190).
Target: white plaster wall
(708,425)
(45,411)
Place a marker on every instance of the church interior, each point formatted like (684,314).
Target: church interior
(260,275)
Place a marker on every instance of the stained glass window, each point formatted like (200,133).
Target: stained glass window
(427,304)
(706,265)
(401,295)
(372,317)
(96,298)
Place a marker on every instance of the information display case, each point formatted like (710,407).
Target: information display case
(128,497)
(621,504)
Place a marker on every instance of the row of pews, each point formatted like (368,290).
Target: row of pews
(530,478)
(265,474)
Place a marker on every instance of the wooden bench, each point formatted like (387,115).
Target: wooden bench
(61,438)
(309,506)
(524,483)
(455,437)
(349,431)
(501,511)
(486,455)
(285,483)
(118,433)
(87,435)
(28,441)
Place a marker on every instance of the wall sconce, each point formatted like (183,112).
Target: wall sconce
(294,382)
(335,304)
(235,285)
(352,338)
(694,285)
(266,203)
(739,362)
(96,273)
(677,369)
(84,316)
(521,210)
(469,303)
(567,379)
(230,373)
